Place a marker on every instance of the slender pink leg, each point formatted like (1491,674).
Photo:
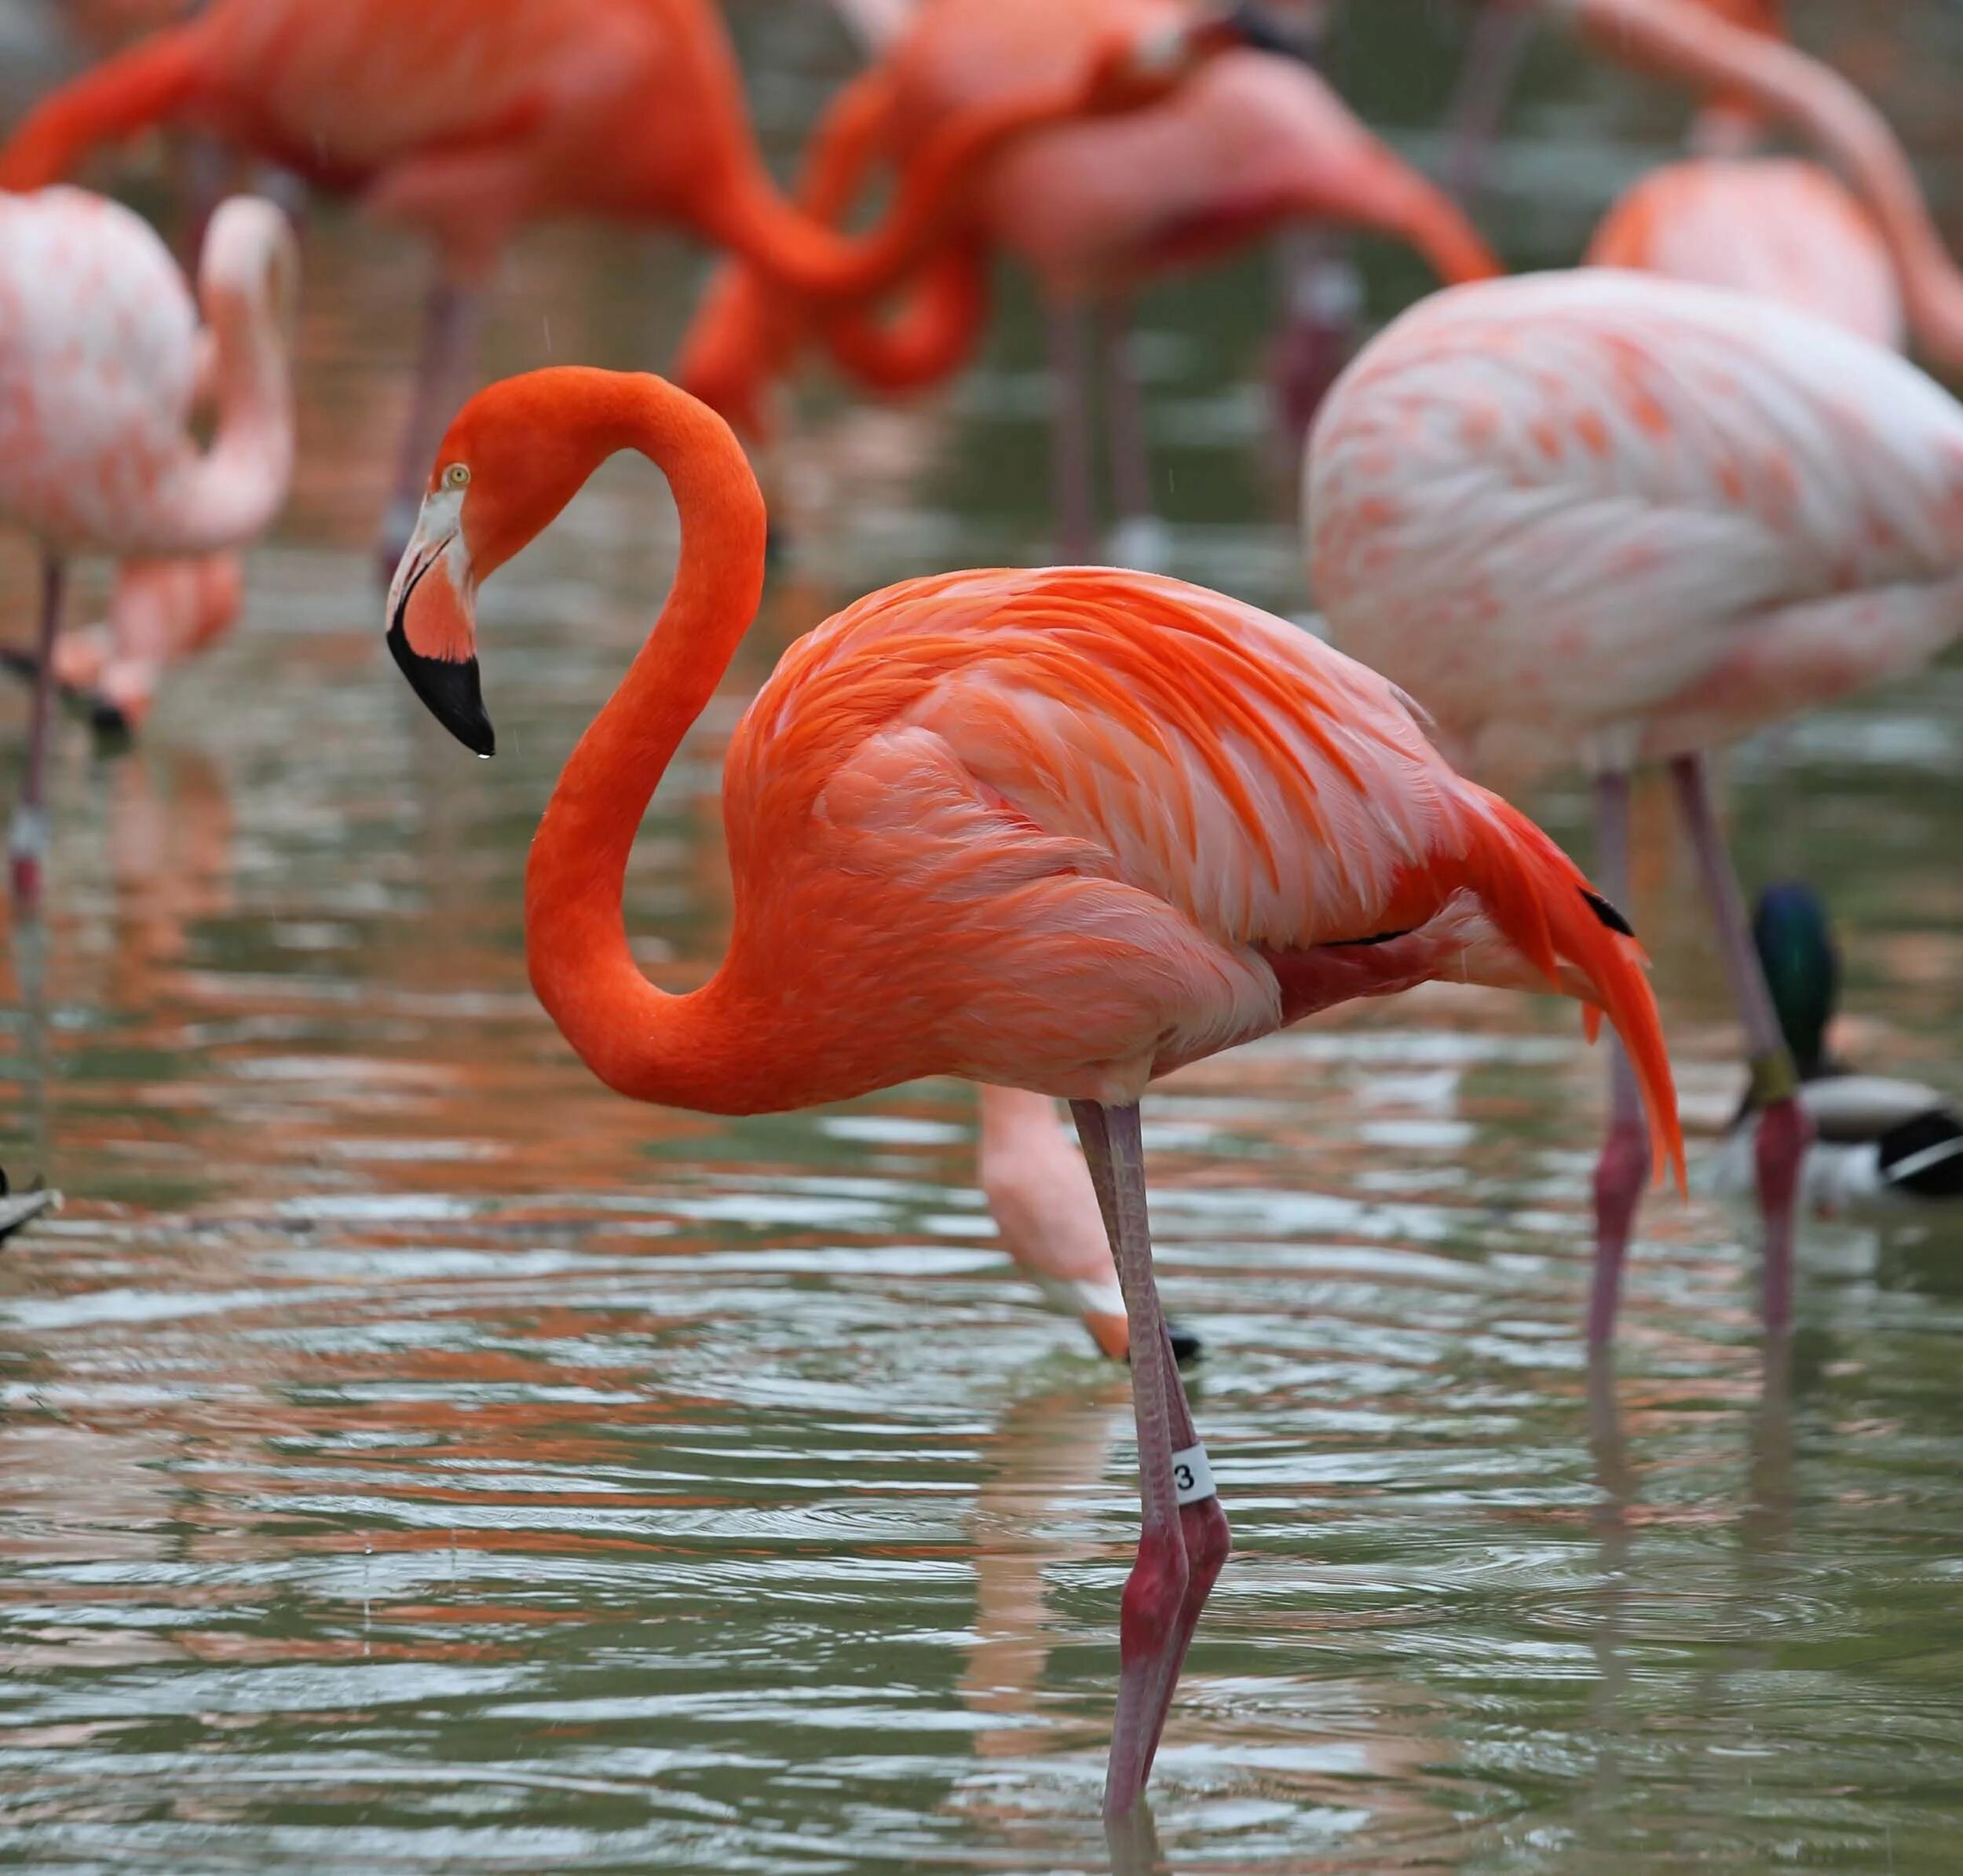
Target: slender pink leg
(1500,36)
(1785,1133)
(1181,1548)
(1069,434)
(452,321)
(28,841)
(1139,538)
(1623,1171)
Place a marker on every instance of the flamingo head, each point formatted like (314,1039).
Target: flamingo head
(506,468)
(432,625)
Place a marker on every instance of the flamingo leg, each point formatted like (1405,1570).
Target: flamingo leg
(452,321)
(28,839)
(1181,1547)
(1070,434)
(1623,1170)
(1500,37)
(1785,1133)
(1138,539)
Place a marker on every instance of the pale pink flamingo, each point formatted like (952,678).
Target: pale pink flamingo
(1607,517)
(1730,216)
(1253,142)
(1061,830)
(100,360)
(1733,219)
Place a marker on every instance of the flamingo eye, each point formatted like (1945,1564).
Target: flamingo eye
(456,476)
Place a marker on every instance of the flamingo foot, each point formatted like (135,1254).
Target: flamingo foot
(1164,1598)
(1155,1595)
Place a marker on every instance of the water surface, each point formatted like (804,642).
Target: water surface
(413,1457)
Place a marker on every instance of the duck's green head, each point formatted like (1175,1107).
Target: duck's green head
(1802,968)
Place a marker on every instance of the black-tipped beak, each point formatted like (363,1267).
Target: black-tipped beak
(450,691)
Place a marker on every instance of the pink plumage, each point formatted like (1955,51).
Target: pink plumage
(102,362)
(1605,515)
(1772,226)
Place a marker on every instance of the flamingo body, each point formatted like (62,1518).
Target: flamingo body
(1067,829)
(101,356)
(353,95)
(1060,829)
(1775,226)
(98,336)
(102,360)
(1254,140)
(1605,515)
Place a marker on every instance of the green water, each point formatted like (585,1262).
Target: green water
(413,1458)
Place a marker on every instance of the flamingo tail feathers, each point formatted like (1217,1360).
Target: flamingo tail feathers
(146,85)
(1546,910)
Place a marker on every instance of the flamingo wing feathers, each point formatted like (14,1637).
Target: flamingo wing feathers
(1166,821)
(1565,498)
(98,342)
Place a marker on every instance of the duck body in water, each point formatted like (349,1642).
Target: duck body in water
(1880,1145)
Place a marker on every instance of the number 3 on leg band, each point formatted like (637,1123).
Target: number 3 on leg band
(1192,1477)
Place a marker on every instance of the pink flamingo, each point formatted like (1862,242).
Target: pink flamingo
(1610,518)
(1252,143)
(1061,830)
(1720,222)
(100,355)
(467,119)
(1730,216)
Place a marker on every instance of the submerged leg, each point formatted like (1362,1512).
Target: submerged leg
(1785,1133)
(1183,1540)
(28,841)
(1138,538)
(1069,434)
(452,320)
(1623,1170)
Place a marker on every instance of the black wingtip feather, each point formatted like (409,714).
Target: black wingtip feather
(1607,913)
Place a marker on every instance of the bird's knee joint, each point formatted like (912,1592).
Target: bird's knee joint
(1154,1593)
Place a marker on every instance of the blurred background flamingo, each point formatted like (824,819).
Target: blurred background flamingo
(1849,236)
(1255,143)
(466,121)
(1606,517)
(100,357)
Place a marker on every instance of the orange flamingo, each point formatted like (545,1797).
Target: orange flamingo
(1061,830)
(466,118)
(1253,142)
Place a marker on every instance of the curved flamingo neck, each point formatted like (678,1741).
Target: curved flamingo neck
(802,252)
(1685,41)
(235,490)
(677,1050)
(932,336)
(1398,199)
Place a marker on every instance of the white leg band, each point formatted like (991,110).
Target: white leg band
(1192,1477)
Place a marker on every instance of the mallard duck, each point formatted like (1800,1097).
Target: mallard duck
(1880,1143)
(19,1208)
